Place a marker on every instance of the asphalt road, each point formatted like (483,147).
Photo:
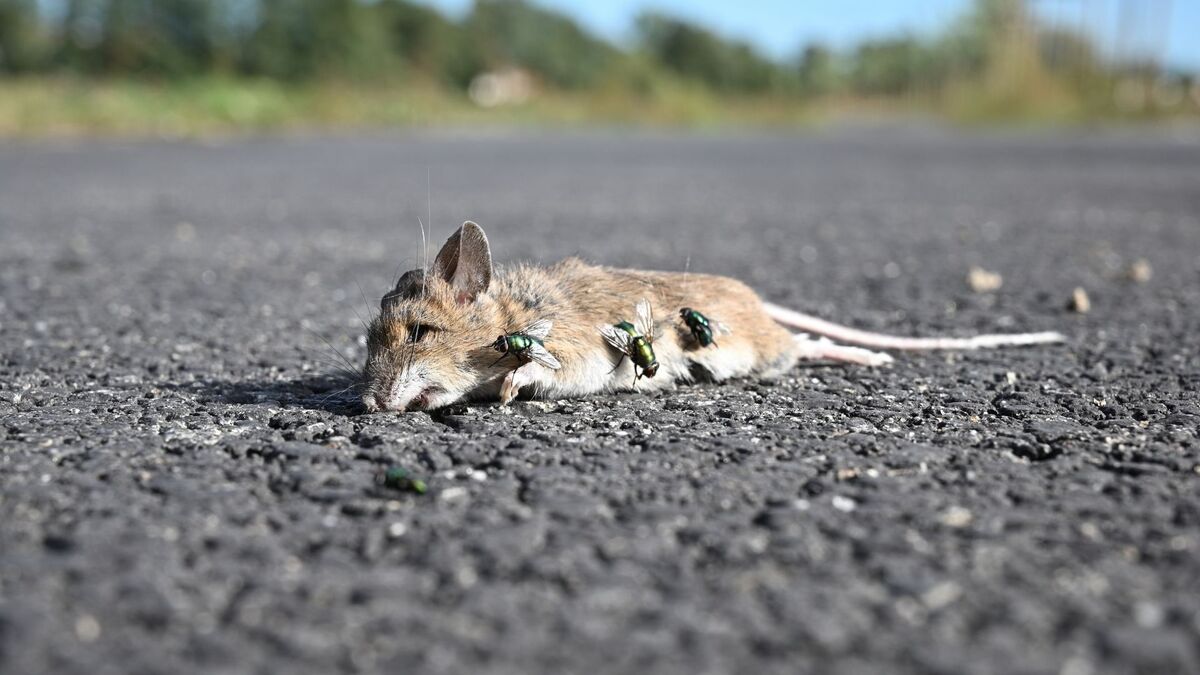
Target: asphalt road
(184,488)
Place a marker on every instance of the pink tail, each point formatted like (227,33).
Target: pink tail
(812,324)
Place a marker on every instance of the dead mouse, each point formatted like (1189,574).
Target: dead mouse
(574,329)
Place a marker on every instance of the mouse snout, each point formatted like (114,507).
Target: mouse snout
(399,395)
(382,401)
(379,394)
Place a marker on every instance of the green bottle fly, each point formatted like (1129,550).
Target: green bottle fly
(702,328)
(528,345)
(699,326)
(635,341)
(398,478)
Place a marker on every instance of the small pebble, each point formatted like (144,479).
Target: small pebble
(941,595)
(983,281)
(1080,303)
(844,503)
(1148,614)
(957,516)
(453,494)
(87,628)
(1140,271)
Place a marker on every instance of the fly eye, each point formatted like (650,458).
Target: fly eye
(418,332)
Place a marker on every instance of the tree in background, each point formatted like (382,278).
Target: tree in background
(172,38)
(817,72)
(517,33)
(886,67)
(429,43)
(303,39)
(21,45)
(700,55)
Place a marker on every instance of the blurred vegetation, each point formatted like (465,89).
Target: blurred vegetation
(197,66)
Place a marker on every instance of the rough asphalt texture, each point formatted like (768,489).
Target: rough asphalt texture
(184,489)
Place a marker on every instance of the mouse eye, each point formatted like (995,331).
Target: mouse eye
(419,331)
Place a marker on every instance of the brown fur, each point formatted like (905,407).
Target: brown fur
(577,297)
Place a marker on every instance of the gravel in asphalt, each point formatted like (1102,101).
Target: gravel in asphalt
(186,487)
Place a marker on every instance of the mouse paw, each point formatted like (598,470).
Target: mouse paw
(507,391)
(514,380)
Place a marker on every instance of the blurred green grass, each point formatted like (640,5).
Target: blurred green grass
(41,106)
(64,107)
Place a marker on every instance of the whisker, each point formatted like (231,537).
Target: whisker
(325,399)
(339,368)
(341,372)
(424,256)
(335,349)
(428,214)
(424,239)
(366,302)
(410,356)
(325,358)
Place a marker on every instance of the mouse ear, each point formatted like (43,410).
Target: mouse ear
(465,262)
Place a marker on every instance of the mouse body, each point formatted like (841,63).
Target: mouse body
(432,343)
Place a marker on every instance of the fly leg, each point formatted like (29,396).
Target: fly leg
(619,362)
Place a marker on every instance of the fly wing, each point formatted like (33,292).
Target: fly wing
(539,354)
(718,327)
(645,319)
(616,337)
(538,329)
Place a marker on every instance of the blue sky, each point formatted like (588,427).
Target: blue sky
(1169,29)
